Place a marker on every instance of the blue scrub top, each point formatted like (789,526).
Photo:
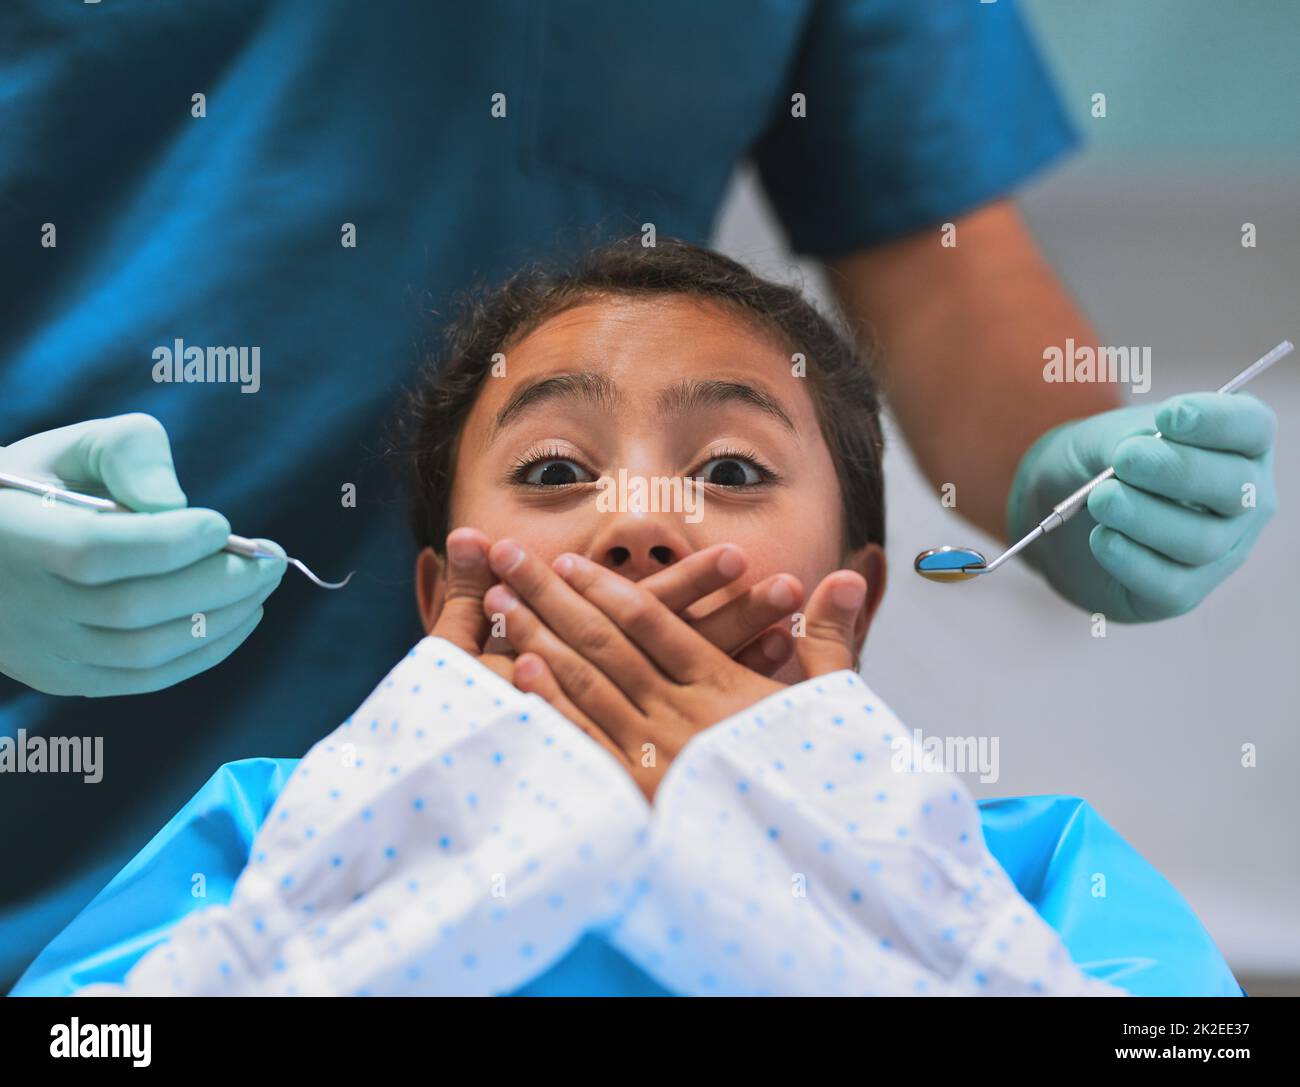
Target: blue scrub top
(1139,935)
(225,230)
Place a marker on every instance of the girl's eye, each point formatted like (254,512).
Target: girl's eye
(554,472)
(731,472)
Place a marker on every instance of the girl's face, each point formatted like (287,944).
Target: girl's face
(653,390)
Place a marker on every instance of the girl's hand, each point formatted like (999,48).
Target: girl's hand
(742,627)
(622,666)
(461,620)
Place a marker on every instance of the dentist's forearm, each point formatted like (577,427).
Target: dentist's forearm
(961,332)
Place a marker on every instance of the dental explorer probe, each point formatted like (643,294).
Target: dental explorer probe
(236,545)
(963,563)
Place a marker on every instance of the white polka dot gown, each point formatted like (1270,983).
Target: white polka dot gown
(455,836)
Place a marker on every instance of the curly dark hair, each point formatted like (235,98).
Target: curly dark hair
(432,414)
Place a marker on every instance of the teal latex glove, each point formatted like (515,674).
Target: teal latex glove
(102,603)
(1176,519)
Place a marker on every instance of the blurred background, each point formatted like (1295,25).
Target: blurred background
(1202,135)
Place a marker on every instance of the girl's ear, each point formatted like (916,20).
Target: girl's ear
(430,587)
(869,561)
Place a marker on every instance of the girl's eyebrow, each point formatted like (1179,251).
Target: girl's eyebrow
(595,389)
(691,395)
(687,395)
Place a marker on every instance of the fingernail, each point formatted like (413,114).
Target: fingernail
(781,595)
(774,647)
(563,565)
(499,598)
(731,563)
(849,595)
(465,550)
(528,668)
(505,556)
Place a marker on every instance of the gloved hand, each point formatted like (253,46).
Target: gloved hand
(1174,522)
(103,603)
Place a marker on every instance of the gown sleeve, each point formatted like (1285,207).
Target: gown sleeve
(453,836)
(795,850)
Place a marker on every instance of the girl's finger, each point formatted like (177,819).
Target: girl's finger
(737,621)
(697,575)
(830,624)
(682,654)
(586,686)
(576,621)
(532,675)
(766,653)
(461,620)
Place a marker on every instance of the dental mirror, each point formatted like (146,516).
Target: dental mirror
(950,563)
(964,563)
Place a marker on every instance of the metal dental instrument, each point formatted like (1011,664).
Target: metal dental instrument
(236,545)
(963,563)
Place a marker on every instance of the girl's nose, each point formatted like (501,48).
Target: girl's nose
(638,545)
